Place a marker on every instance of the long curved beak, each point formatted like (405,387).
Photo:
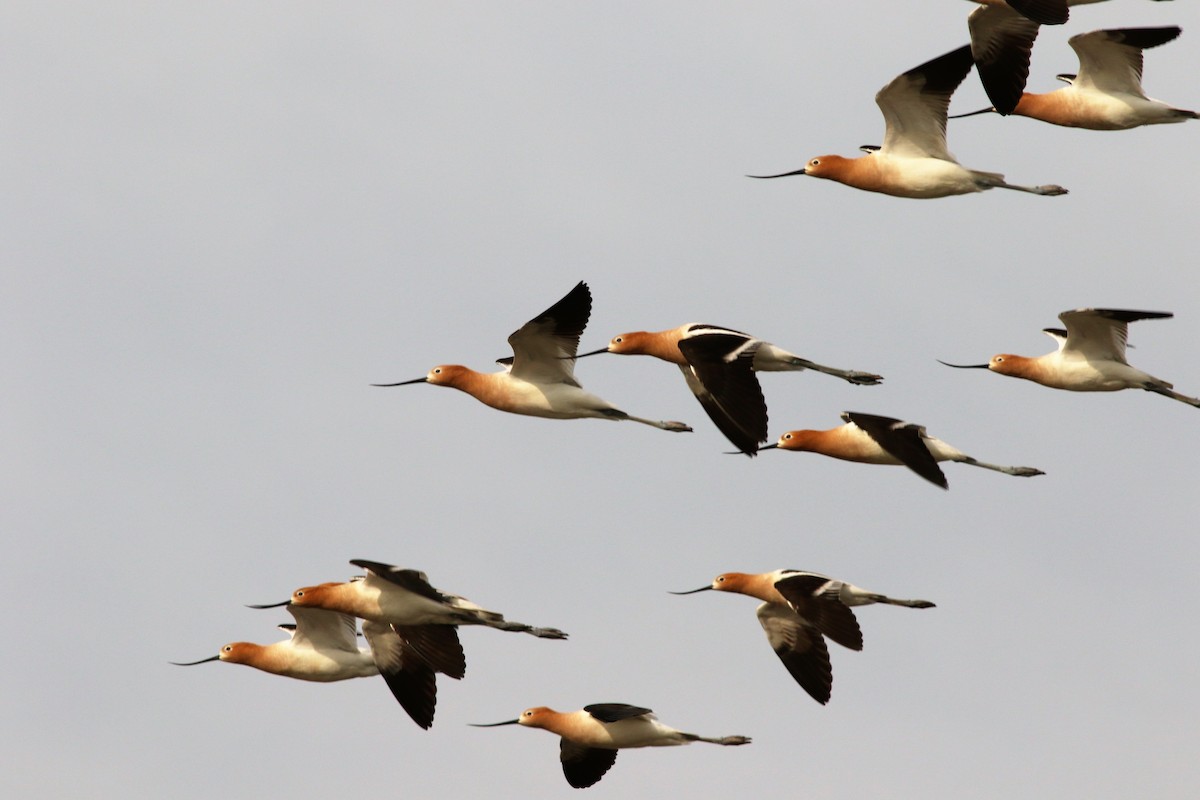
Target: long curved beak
(693,591)
(194,663)
(494,724)
(988,110)
(963,366)
(401,383)
(780,175)
(272,605)
(592,353)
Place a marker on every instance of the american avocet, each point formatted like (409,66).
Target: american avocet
(590,738)
(719,365)
(914,161)
(1107,93)
(1090,356)
(871,439)
(798,608)
(424,617)
(540,381)
(323,646)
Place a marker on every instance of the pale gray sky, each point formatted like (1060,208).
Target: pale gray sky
(221,222)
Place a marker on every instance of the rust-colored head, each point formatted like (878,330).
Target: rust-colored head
(318,596)
(536,717)
(239,652)
(798,440)
(725,582)
(447,374)
(634,343)
(1008,364)
(234,653)
(830,166)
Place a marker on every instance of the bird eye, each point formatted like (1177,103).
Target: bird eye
(816,162)
(528,714)
(998,359)
(228,648)
(618,339)
(787,436)
(437,371)
(299,593)
(720,579)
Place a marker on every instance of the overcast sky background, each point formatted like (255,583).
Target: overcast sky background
(222,222)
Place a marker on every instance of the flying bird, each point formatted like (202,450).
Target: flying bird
(719,365)
(914,161)
(1106,94)
(1090,356)
(590,738)
(323,646)
(1002,37)
(540,381)
(872,439)
(798,610)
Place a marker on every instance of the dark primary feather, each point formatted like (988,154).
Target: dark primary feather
(1126,315)
(728,389)
(583,766)
(438,646)
(827,613)
(412,681)
(409,579)
(569,316)
(614,712)
(1046,12)
(801,648)
(903,440)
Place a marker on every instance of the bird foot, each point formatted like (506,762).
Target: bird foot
(863,378)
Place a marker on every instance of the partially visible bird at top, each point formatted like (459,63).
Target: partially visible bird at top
(1106,94)
(1002,36)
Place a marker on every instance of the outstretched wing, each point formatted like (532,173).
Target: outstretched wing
(544,348)
(801,649)
(412,681)
(824,611)
(1001,43)
(1100,334)
(903,440)
(324,630)
(582,765)
(720,373)
(410,579)
(1111,60)
(615,712)
(914,106)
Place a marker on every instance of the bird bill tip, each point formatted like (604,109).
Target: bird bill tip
(962,366)
(194,663)
(800,171)
(401,383)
